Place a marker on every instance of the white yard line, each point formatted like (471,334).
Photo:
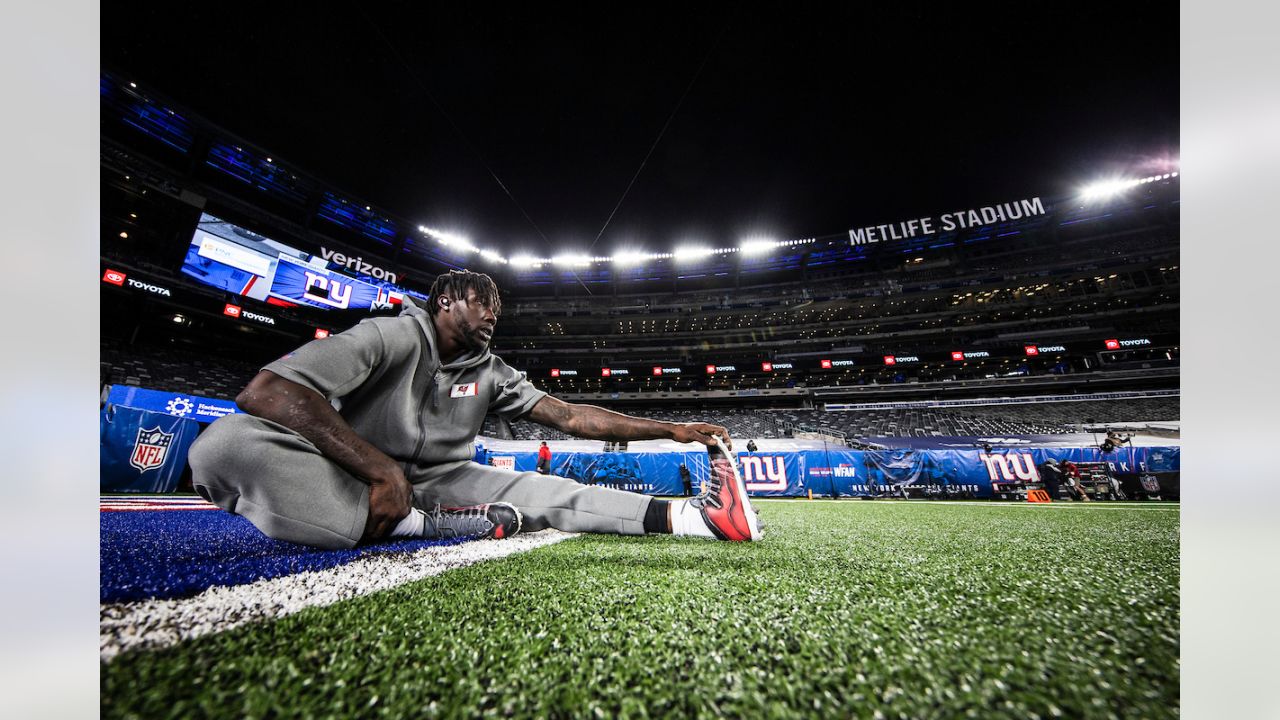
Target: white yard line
(160,623)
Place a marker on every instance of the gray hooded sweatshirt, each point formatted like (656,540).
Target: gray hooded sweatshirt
(393,390)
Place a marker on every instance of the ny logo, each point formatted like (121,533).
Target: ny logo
(1013,466)
(763,472)
(329,291)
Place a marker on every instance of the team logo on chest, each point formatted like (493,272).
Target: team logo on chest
(150,448)
(464,390)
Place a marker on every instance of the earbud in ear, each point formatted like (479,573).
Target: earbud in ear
(444,301)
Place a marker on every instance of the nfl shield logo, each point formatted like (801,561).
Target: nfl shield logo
(150,448)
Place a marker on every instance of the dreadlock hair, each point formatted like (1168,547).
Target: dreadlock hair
(456,284)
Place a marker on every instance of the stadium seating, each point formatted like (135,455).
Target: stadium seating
(979,421)
(172,370)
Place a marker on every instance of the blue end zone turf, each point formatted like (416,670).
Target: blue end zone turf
(177,553)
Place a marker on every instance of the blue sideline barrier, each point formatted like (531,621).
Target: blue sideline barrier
(143,451)
(841,473)
(826,473)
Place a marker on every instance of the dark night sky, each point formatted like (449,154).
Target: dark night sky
(803,122)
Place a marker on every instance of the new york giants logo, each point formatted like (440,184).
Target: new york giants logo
(763,472)
(1012,466)
(150,449)
(327,290)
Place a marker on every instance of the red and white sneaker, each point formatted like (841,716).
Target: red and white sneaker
(490,520)
(724,505)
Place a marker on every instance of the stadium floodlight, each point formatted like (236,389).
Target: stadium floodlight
(1108,188)
(525,260)
(492,256)
(756,246)
(690,252)
(629,257)
(571,260)
(450,239)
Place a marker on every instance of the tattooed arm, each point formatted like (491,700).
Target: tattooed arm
(596,423)
(307,413)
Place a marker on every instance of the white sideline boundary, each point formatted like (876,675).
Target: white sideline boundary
(161,623)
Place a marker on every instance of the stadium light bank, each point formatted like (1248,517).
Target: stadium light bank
(1111,188)
(686,253)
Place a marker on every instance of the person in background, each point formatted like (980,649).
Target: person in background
(751,446)
(685,479)
(1072,474)
(1114,440)
(544,459)
(1051,475)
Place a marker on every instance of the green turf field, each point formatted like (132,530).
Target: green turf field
(846,609)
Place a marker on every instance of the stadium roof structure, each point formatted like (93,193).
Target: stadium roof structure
(282,197)
(561,131)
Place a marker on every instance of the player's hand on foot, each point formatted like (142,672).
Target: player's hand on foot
(389,501)
(704,433)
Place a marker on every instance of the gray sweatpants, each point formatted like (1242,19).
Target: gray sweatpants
(283,484)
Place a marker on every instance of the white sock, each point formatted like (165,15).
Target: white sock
(411,525)
(687,520)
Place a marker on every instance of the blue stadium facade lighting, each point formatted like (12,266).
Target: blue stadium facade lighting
(360,219)
(258,171)
(144,114)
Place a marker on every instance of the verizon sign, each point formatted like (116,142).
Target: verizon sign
(359,265)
